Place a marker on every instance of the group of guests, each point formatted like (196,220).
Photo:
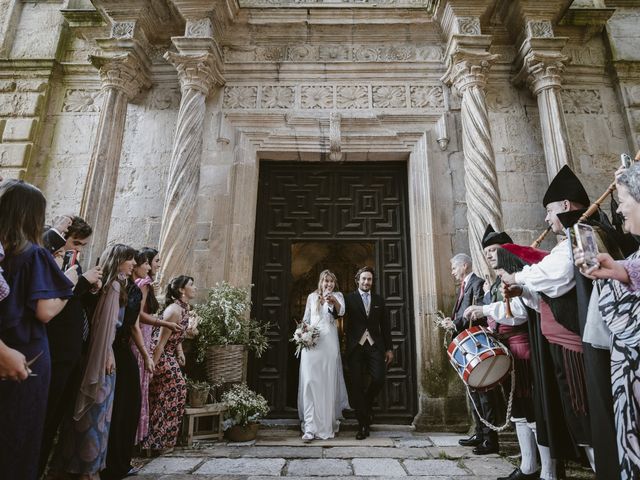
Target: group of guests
(89,358)
(573,329)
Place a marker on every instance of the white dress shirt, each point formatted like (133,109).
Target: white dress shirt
(553,275)
(497,311)
(366,336)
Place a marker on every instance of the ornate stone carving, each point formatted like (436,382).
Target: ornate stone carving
(81,101)
(240,97)
(316,96)
(122,29)
(195,71)
(539,29)
(542,70)
(502,100)
(468,25)
(125,72)
(199,28)
(428,4)
(164,99)
(334,53)
(274,96)
(389,96)
(423,96)
(335,153)
(578,101)
(352,96)
(467,72)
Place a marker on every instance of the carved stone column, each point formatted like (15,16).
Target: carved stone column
(122,76)
(197,63)
(468,66)
(542,64)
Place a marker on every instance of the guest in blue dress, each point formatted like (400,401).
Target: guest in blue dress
(84,435)
(38,291)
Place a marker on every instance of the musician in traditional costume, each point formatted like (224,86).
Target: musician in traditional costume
(550,288)
(512,328)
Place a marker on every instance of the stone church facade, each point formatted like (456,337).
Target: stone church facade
(231,133)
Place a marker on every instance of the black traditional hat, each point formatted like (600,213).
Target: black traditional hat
(491,237)
(566,186)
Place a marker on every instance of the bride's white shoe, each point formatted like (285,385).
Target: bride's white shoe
(307,437)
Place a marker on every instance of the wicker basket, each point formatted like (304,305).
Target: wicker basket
(227,364)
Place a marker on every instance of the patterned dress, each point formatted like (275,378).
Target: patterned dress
(167,392)
(620,309)
(145,377)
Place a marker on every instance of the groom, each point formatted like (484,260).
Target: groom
(368,346)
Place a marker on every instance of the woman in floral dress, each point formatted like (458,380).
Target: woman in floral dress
(148,322)
(168,389)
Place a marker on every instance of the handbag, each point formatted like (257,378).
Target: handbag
(596,331)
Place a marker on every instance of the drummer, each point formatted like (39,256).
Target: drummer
(512,329)
(484,440)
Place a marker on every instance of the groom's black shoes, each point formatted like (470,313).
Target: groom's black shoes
(361,435)
(472,441)
(366,430)
(518,475)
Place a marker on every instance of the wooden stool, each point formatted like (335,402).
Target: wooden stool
(191,422)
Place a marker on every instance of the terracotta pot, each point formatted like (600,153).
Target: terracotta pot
(238,433)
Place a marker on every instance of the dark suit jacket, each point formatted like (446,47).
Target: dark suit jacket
(357,321)
(473,295)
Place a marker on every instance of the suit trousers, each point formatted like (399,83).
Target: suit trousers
(365,359)
(486,403)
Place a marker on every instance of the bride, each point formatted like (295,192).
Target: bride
(322,394)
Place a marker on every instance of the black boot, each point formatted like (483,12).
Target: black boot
(473,441)
(518,475)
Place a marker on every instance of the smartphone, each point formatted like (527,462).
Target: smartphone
(586,240)
(69,259)
(625,160)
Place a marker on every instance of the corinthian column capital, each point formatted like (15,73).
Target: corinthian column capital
(468,62)
(199,72)
(126,72)
(541,63)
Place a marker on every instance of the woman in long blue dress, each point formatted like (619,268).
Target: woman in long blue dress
(82,446)
(38,292)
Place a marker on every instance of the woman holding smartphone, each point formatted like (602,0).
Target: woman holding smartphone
(322,393)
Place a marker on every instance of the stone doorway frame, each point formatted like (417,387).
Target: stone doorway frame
(414,138)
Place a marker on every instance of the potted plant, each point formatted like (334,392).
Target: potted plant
(197,392)
(244,409)
(226,333)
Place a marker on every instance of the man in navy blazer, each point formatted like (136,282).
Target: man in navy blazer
(368,346)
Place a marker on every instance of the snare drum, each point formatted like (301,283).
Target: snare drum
(479,358)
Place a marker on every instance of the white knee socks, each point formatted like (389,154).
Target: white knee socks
(527,441)
(548,471)
(591,457)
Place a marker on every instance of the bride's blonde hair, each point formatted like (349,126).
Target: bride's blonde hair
(332,276)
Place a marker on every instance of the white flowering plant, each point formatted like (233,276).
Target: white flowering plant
(244,406)
(224,320)
(305,337)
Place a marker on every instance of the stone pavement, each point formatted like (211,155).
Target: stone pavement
(388,453)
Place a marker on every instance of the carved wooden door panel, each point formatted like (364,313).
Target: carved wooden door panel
(316,204)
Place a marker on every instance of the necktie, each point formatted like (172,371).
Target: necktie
(367,303)
(459,297)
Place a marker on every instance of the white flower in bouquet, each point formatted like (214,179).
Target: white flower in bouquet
(305,336)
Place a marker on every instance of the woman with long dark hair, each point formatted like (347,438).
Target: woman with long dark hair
(38,292)
(168,389)
(127,395)
(82,446)
(148,322)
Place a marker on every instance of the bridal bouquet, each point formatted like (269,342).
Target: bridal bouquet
(305,336)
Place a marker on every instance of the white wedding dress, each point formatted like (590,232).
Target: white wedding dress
(322,393)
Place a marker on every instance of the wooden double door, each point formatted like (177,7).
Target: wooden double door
(313,216)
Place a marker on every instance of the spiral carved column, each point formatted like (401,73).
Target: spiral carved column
(542,68)
(467,73)
(122,78)
(178,217)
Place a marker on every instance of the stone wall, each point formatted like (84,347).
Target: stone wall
(346,81)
